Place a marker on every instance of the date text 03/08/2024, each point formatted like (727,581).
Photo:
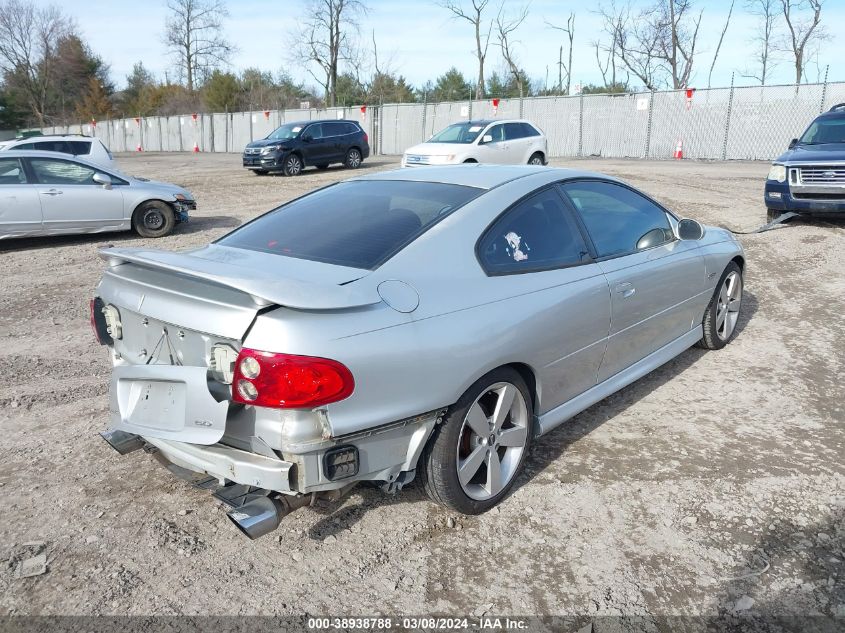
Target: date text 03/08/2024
(425,623)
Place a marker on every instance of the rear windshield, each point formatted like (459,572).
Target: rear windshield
(358,223)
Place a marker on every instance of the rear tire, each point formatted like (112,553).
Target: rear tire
(536,159)
(722,314)
(153,219)
(292,166)
(488,450)
(353,159)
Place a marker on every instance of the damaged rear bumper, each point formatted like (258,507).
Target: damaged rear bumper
(387,455)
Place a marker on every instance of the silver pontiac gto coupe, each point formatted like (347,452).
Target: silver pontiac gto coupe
(419,323)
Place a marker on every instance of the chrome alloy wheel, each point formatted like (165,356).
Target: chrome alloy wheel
(728,304)
(492,440)
(293,165)
(354,158)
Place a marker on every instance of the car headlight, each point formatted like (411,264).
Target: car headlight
(181,197)
(777,172)
(269,149)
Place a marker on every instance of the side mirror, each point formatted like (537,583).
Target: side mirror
(690,230)
(103,179)
(793,143)
(487,138)
(307,138)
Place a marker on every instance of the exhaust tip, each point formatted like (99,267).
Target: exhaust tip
(122,442)
(258,517)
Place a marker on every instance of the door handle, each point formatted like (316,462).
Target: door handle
(625,289)
(52,192)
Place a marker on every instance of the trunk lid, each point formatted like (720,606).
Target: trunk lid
(175,307)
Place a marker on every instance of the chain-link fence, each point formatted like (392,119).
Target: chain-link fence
(754,123)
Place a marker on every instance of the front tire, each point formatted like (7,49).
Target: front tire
(153,219)
(353,159)
(476,453)
(292,166)
(536,159)
(722,312)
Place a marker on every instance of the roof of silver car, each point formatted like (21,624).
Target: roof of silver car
(477,174)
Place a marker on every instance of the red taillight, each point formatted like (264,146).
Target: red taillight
(366,138)
(285,381)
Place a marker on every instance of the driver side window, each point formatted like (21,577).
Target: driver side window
(619,220)
(497,132)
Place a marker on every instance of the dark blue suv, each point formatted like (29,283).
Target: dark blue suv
(810,177)
(294,146)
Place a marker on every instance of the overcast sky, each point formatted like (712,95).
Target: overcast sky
(423,42)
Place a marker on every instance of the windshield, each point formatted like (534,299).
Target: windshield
(824,131)
(291,130)
(359,223)
(458,133)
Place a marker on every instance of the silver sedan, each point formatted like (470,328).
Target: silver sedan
(410,324)
(49,193)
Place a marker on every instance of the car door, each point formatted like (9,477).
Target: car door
(538,248)
(20,208)
(70,199)
(318,150)
(517,143)
(334,134)
(654,278)
(496,149)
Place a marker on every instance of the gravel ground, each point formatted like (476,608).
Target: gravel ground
(714,486)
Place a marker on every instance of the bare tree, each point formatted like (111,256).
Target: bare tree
(767,12)
(804,33)
(474,16)
(566,68)
(327,38)
(29,37)
(658,43)
(504,31)
(721,39)
(194,35)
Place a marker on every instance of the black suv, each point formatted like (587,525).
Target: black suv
(810,177)
(294,146)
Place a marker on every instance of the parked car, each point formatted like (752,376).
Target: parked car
(413,323)
(501,142)
(48,193)
(91,149)
(810,177)
(295,146)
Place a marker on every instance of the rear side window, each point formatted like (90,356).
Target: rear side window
(334,129)
(358,223)
(619,220)
(51,171)
(79,148)
(351,128)
(11,172)
(529,130)
(514,131)
(538,233)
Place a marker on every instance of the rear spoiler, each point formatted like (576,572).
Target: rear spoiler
(250,273)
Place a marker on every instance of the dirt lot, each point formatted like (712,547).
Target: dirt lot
(713,486)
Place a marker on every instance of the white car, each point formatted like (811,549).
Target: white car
(87,147)
(49,193)
(512,142)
